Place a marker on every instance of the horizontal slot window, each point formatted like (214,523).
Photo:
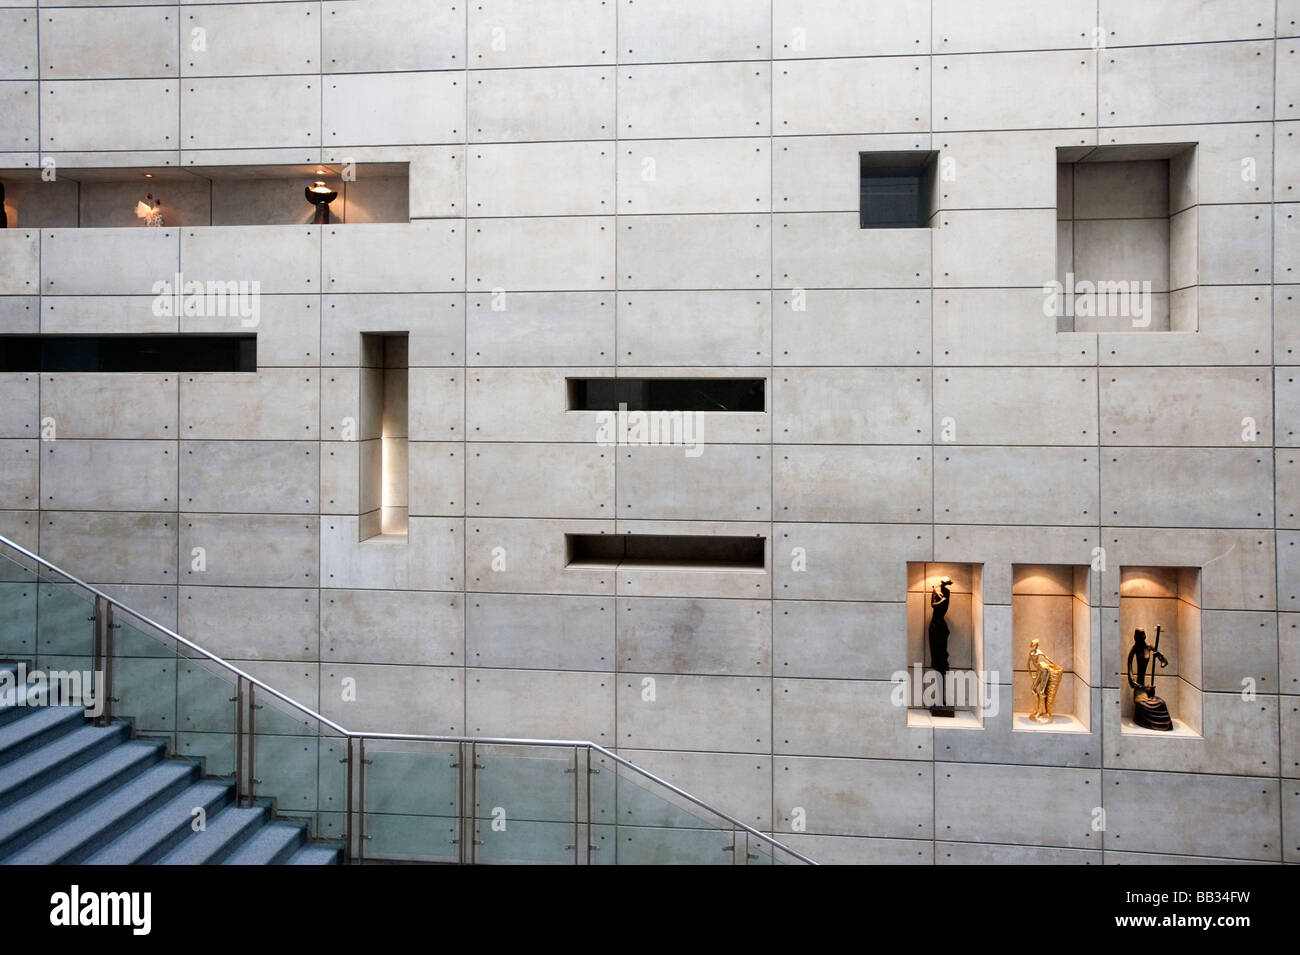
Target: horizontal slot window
(667,394)
(672,550)
(128,353)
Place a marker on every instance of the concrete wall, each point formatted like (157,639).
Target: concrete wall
(602,189)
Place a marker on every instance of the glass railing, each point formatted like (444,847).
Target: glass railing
(385,797)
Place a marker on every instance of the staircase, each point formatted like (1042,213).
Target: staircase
(72,792)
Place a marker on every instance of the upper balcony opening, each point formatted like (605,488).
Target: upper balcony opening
(124,197)
(896,189)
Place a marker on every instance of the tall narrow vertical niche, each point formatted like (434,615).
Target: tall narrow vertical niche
(964,688)
(1050,603)
(383,435)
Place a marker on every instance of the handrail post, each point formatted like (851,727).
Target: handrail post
(347,844)
(252,744)
(587,773)
(361,798)
(473,803)
(460,804)
(97,634)
(241,776)
(576,809)
(108,662)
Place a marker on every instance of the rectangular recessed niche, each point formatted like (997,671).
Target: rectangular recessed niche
(671,551)
(1050,603)
(1126,238)
(106,197)
(667,394)
(964,689)
(383,435)
(128,353)
(896,190)
(1168,598)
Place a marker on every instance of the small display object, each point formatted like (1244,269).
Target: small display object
(1047,680)
(940,600)
(1149,710)
(320,196)
(150,210)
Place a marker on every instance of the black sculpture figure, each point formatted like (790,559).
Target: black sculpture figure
(4,216)
(1148,709)
(940,598)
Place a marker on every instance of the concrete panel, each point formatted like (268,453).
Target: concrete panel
(437,478)
(679,252)
(971,804)
(1288,570)
(1004,485)
(693,30)
(985,406)
(260,477)
(273,405)
(393,108)
(249,550)
(546,33)
(76,115)
(1240,564)
(112,261)
(544,104)
(112,546)
(843,718)
(871,257)
(394,699)
(287,326)
(994,249)
(436,324)
(279,258)
(727,482)
(423,256)
(1039,90)
(1175,406)
(540,704)
(852,327)
(252,623)
(1004,327)
(684,176)
(19,109)
(875,484)
(1181,21)
(503,480)
(274,111)
(1205,815)
(541,254)
(1236,645)
(541,179)
(826,28)
(19,472)
(652,580)
(18,44)
(721,637)
(1233,328)
(1199,83)
(856,641)
(429,557)
(540,328)
(705,713)
(408,627)
(528,556)
(110,406)
(665,328)
(437,399)
(1233,245)
(740,783)
(1187,487)
(694,100)
(1287,481)
(855,797)
(91,44)
(820,97)
(104,314)
(391,35)
(828,564)
(108,475)
(968,853)
(1013,25)
(251,39)
(20,255)
(851,406)
(537,633)
(19,405)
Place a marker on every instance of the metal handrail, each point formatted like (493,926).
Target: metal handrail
(403,737)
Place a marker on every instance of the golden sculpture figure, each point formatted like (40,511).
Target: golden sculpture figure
(1047,680)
